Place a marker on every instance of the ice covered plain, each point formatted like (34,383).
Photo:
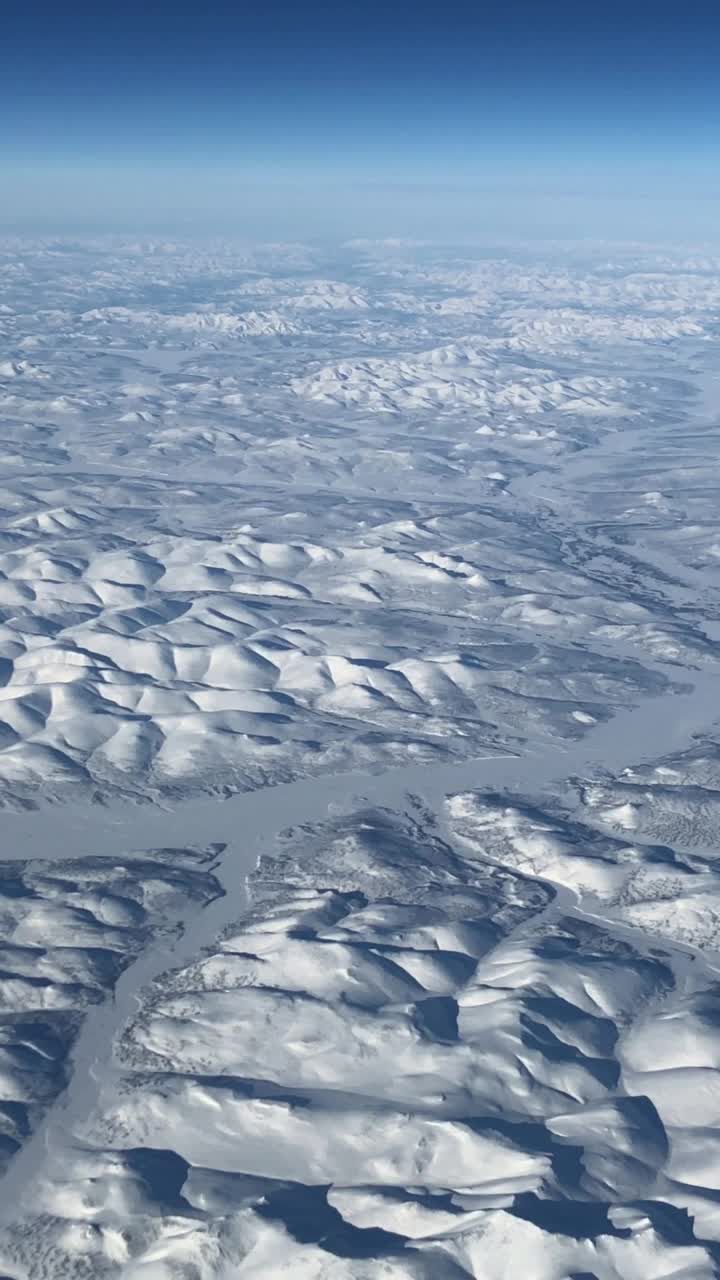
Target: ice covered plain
(359,762)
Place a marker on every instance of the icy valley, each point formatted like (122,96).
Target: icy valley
(359,762)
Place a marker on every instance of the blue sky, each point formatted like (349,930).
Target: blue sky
(397,117)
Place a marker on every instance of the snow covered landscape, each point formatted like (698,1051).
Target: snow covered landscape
(359,761)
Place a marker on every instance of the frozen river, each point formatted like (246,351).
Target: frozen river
(247,824)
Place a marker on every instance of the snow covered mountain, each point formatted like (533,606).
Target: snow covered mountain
(359,763)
